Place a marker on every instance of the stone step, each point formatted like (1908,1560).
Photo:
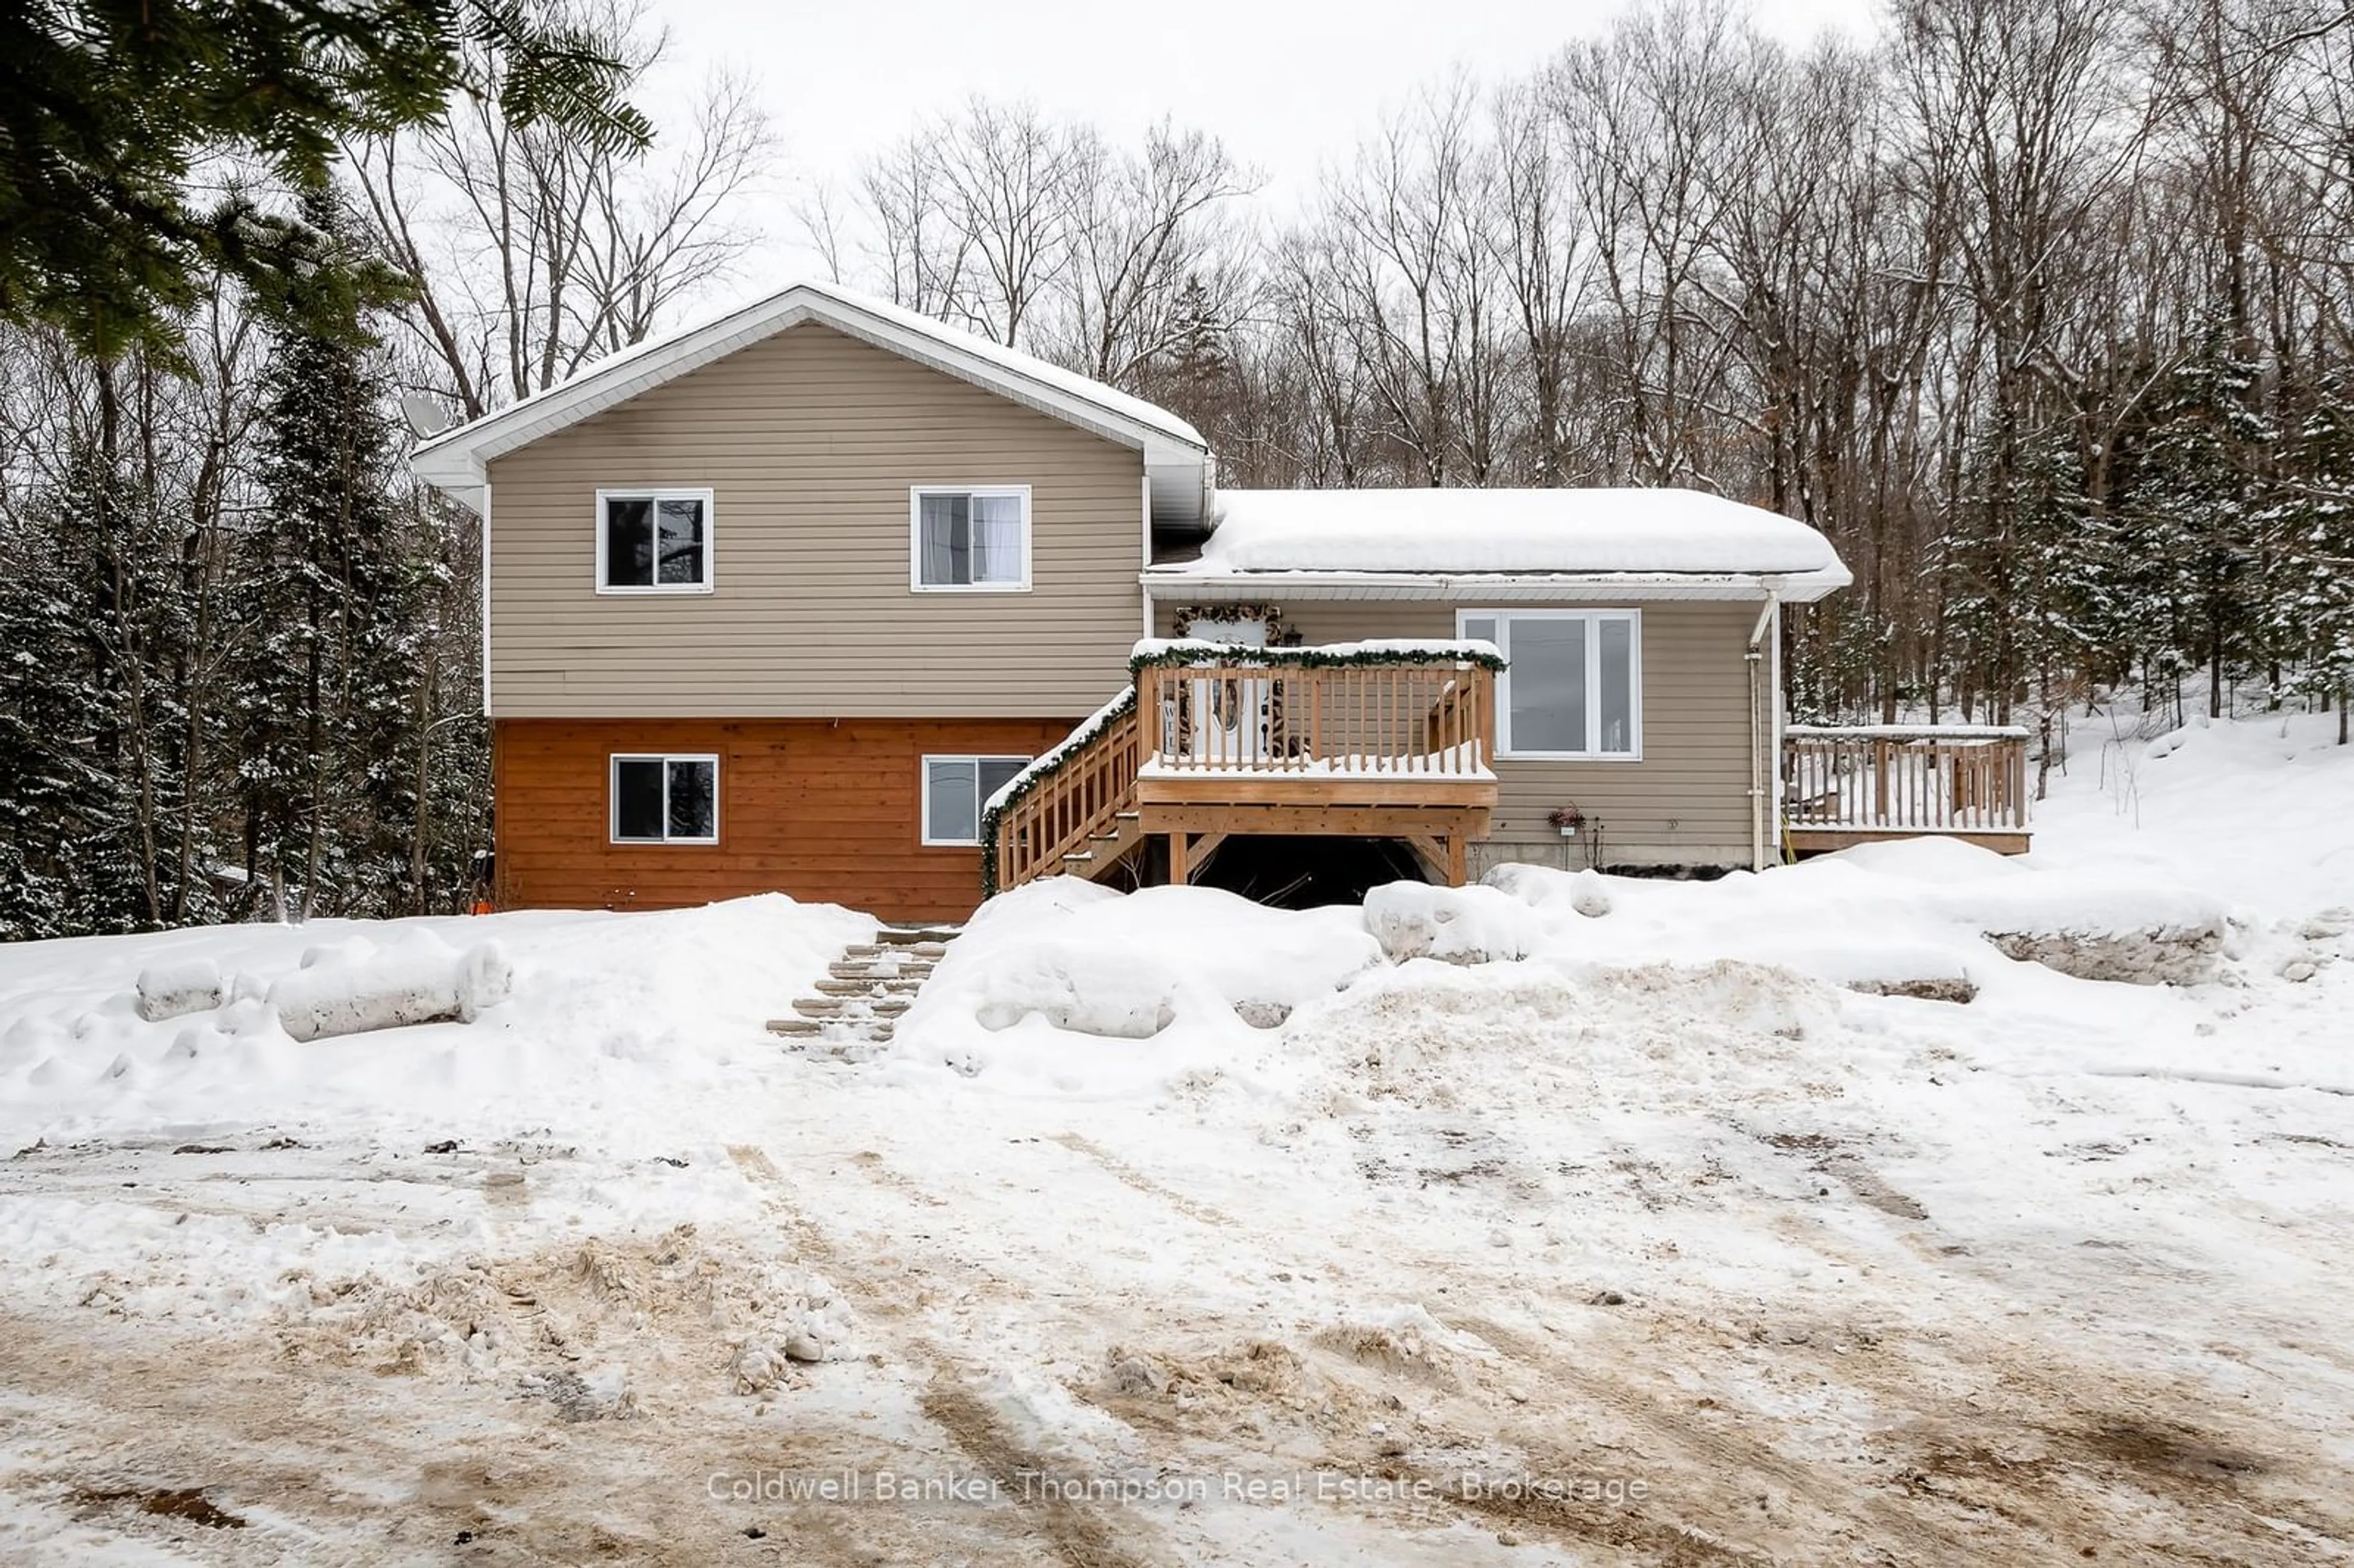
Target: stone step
(927,952)
(848,1009)
(866,972)
(871,987)
(840,1046)
(885,1014)
(917,936)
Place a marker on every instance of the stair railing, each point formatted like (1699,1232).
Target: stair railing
(1063,800)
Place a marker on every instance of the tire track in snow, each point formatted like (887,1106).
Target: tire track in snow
(1191,1208)
(1627,1409)
(1697,1470)
(1081,1537)
(2018,1423)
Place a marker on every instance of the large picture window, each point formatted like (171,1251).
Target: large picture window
(956,789)
(653,541)
(972,540)
(1573,687)
(665,799)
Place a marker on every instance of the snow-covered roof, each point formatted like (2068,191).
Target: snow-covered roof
(1411,541)
(1175,456)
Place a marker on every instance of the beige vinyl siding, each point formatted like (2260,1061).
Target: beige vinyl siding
(1685,803)
(810,442)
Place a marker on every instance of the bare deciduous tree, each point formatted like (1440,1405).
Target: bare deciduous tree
(531,253)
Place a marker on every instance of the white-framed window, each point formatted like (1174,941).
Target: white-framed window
(969,538)
(653,541)
(955,790)
(665,798)
(1573,686)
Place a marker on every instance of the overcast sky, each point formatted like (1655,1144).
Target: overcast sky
(1288,86)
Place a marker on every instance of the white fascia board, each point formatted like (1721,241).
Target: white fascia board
(1797,588)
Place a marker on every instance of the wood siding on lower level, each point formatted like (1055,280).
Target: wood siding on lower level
(825,810)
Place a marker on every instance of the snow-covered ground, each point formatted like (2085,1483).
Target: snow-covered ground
(1170,1229)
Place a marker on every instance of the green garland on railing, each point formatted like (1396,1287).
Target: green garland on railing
(1308,658)
(1102,719)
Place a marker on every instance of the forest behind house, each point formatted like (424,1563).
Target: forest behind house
(2041,310)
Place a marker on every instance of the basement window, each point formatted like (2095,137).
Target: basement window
(1573,686)
(665,799)
(974,541)
(653,541)
(956,789)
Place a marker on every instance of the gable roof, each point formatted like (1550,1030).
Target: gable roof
(1175,456)
(1650,542)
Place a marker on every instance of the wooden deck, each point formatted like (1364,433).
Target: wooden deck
(1278,742)
(1845,786)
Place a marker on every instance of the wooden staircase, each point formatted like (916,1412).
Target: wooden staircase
(1106,849)
(859,1002)
(1078,816)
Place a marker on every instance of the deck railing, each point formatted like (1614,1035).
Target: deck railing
(1905,779)
(1238,715)
(1417,710)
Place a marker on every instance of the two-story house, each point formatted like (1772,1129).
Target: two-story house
(782,601)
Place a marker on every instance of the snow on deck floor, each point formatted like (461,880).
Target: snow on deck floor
(1656,1245)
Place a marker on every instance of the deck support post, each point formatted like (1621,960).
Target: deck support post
(1458,868)
(1179,870)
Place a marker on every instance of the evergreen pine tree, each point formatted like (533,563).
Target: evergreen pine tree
(334,602)
(2187,547)
(1201,368)
(94,725)
(2312,617)
(51,791)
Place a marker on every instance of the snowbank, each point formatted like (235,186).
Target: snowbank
(1928,916)
(1064,987)
(1067,986)
(1460,926)
(600,1010)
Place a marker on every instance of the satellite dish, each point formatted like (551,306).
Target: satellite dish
(426,417)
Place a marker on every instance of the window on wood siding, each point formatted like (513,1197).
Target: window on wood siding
(665,799)
(1573,686)
(653,541)
(956,789)
(974,540)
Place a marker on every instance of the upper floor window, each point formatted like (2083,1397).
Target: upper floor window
(973,539)
(1573,686)
(653,541)
(666,800)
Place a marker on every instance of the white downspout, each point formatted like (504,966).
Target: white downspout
(1144,559)
(1759,732)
